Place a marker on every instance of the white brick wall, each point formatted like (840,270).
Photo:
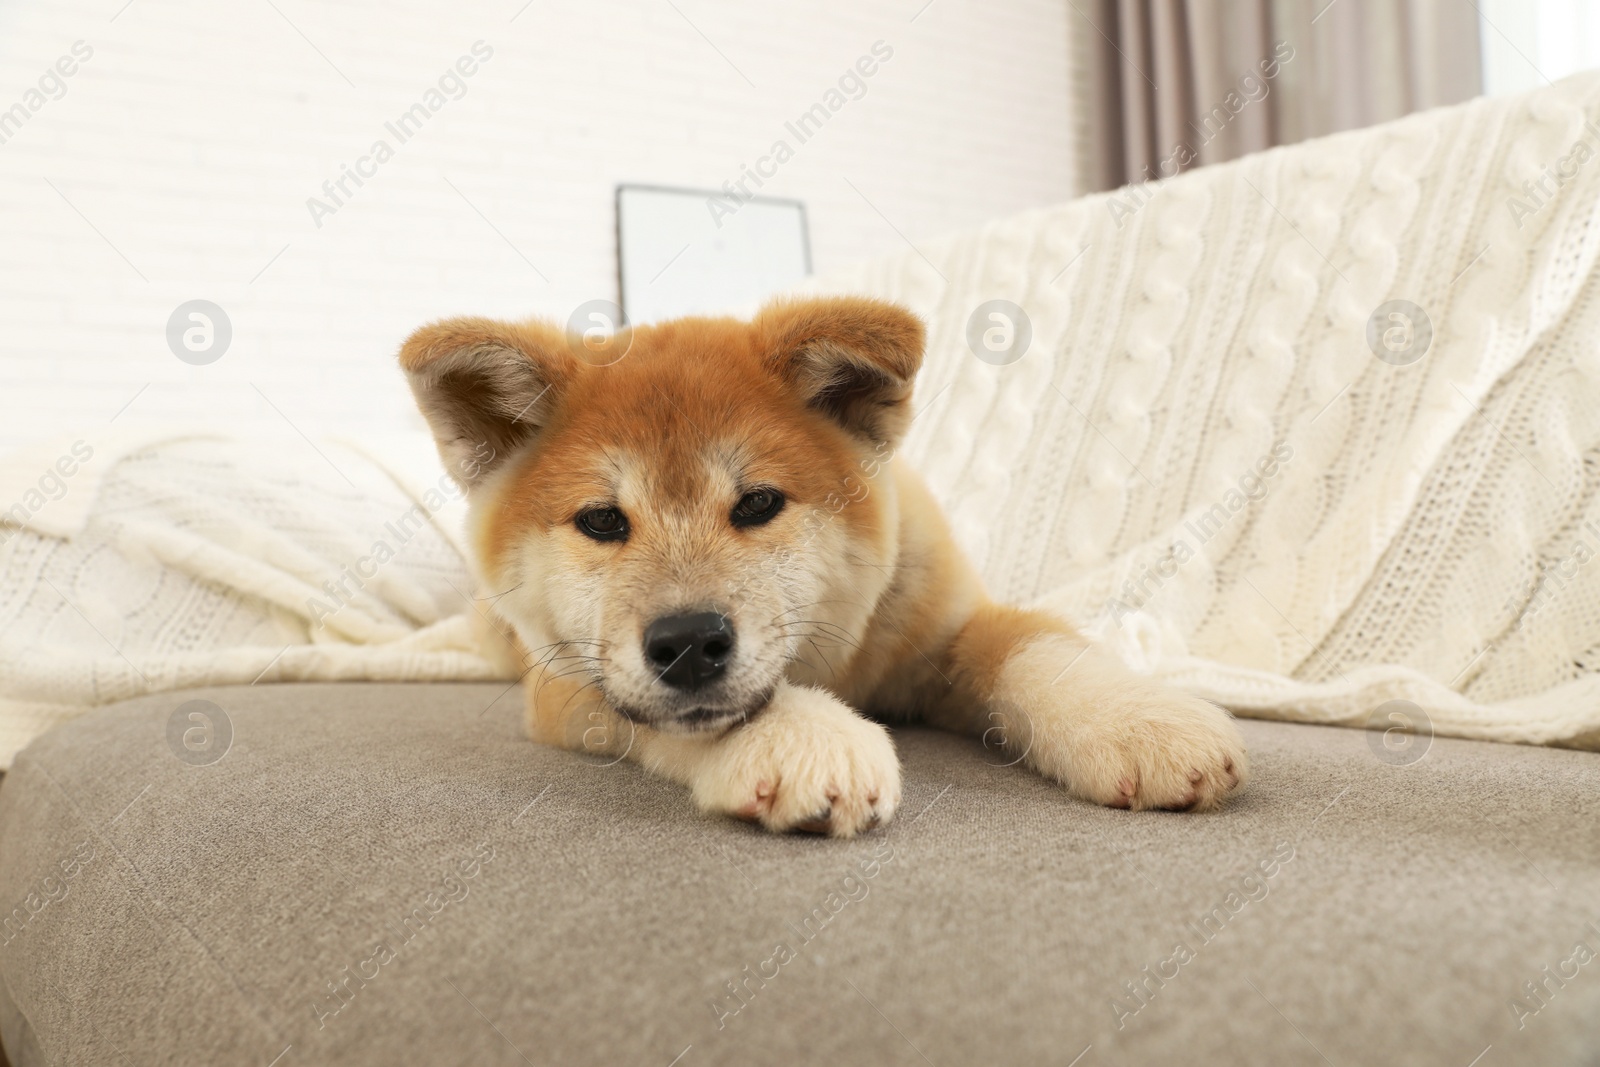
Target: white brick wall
(193,136)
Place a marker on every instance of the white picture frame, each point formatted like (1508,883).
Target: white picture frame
(699,252)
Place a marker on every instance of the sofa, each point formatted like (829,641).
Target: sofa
(346,851)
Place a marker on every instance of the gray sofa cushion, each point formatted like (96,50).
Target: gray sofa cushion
(385,874)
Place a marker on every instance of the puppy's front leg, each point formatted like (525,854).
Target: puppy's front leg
(805,762)
(1076,714)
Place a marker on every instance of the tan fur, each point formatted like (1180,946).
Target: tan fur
(853,601)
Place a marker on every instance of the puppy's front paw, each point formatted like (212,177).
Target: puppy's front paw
(807,762)
(1164,749)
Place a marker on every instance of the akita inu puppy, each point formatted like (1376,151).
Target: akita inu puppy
(713,565)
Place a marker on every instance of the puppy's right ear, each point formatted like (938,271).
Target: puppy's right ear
(485,387)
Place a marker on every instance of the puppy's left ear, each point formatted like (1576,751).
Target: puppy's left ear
(851,358)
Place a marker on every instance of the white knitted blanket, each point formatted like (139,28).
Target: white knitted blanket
(145,562)
(1197,455)
(1200,457)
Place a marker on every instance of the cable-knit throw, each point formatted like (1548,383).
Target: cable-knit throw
(154,560)
(1201,457)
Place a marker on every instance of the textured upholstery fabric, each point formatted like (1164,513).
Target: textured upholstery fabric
(586,914)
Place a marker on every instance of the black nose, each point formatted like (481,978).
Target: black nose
(689,651)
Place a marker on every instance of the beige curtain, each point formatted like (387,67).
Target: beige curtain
(1165,85)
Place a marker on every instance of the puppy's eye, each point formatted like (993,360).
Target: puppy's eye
(757,506)
(604,524)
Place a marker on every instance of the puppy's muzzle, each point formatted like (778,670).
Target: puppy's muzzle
(689,651)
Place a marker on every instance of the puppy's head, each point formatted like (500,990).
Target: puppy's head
(681,524)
